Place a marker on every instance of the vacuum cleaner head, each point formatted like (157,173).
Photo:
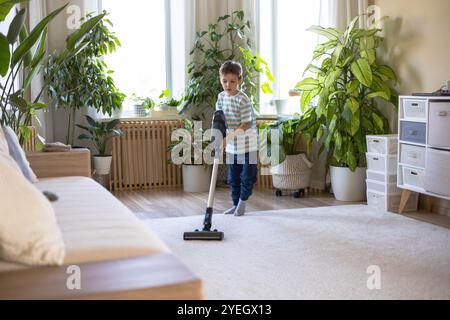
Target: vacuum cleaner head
(203,235)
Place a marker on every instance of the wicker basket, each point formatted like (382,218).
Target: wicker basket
(293,173)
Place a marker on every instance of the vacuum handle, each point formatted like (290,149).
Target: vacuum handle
(212,187)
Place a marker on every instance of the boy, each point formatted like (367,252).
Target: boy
(241,122)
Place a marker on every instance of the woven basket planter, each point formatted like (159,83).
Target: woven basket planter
(293,173)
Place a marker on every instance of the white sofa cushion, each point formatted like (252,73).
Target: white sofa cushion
(16,152)
(29,233)
(95,225)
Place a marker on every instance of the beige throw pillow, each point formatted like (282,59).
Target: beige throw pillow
(29,232)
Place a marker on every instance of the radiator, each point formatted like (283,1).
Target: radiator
(140,156)
(30,144)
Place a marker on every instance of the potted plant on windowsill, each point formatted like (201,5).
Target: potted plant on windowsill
(100,132)
(143,106)
(347,80)
(188,151)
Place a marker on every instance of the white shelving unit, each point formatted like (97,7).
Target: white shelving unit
(424,146)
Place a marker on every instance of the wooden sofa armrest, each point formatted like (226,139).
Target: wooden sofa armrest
(76,162)
(158,277)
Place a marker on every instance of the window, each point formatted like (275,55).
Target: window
(140,65)
(286,45)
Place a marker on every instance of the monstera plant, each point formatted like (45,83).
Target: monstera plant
(22,58)
(347,80)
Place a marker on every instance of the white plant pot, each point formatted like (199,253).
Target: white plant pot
(102,165)
(348,185)
(196,178)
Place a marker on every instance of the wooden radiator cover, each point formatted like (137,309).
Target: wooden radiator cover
(141,159)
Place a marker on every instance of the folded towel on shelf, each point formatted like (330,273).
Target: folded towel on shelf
(56,147)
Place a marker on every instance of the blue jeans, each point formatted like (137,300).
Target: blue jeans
(242,175)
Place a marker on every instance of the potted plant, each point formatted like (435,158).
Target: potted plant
(142,105)
(292,170)
(167,103)
(188,151)
(100,132)
(23,55)
(84,80)
(207,56)
(347,80)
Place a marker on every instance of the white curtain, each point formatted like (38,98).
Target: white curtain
(339,13)
(53,123)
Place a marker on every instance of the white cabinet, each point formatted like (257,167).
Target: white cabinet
(424,145)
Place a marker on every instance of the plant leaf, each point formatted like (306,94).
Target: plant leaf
(388,72)
(6,5)
(15,26)
(5,55)
(84,29)
(29,42)
(361,70)
(380,94)
(307,84)
(330,33)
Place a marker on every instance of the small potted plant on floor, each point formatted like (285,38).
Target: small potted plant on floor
(188,151)
(292,171)
(100,132)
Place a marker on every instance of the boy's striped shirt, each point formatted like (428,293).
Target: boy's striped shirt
(238,109)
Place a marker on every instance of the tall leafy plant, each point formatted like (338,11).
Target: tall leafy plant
(84,80)
(226,39)
(22,57)
(347,79)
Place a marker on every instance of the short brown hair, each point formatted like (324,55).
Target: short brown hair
(232,67)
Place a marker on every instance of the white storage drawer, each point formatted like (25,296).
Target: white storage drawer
(414,109)
(390,188)
(413,155)
(437,179)
(390,202)
(439,124)
(382,163)
(381,176)
(383,144)
(413,177)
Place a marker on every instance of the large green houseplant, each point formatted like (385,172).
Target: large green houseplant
(208,54)
(347,80)
(84,80)
(23,56)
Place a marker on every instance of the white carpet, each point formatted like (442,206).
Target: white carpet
(315,253)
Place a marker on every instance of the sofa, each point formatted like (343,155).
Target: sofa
(113,253)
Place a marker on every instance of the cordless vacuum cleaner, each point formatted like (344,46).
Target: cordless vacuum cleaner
(206,233)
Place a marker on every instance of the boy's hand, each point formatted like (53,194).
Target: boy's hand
(223,145)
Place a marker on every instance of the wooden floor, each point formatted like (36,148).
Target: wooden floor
(158,203)
(164,203)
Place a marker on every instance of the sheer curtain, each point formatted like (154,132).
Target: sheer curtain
(53,123)
(190,16)
(339,13)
